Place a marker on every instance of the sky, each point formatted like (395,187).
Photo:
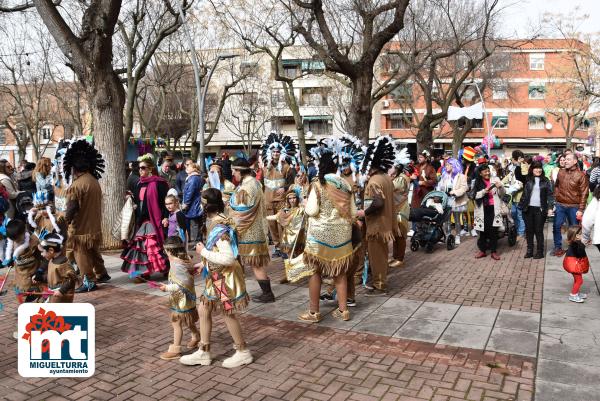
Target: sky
(524,15)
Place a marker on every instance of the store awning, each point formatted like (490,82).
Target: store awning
(316,118)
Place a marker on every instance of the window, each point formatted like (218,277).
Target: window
(314,96)
(249,98)
(402,93)
(536,61)
(537,122)
(318,127)
(278,98)
(210,125)
(584,124)
(537,91)
(249,68)
(500,92)
(500,122)
(45,133)
(498,62)
(477,123)
(399,121)
(312,66)
(291,71)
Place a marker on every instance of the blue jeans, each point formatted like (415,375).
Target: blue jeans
(561,214)
(517,215)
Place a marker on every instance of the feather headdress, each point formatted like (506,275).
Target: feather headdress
(379,154)
(83,156)
(286,146)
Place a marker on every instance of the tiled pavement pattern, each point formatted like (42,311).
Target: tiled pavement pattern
(293,362)
(569,347)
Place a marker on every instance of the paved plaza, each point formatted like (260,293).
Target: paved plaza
(452,328)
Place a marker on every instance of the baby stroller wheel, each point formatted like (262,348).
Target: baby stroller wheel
(512,236)
(414,246)
(450,242)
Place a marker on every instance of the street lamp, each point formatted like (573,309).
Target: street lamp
(200,93)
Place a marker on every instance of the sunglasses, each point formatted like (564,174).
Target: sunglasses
(142,168)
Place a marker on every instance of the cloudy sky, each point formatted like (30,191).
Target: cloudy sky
(525,15)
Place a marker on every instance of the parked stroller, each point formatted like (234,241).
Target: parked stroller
(510,229)
(430,222)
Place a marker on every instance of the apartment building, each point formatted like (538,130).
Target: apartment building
(526,106)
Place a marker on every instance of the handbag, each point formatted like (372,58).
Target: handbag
(125,222)
(295,268)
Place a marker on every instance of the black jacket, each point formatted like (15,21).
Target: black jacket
(545,193)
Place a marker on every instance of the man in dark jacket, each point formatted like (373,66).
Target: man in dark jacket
(570,191)
(180,178)
(226,166)
(134,176)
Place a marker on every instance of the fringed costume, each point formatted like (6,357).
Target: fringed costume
(83,165)
(225,288)
(331,210)
(380,219)
(277,176)
(248,212)
(62,277)
(26,259)
(401,207)
(182,294)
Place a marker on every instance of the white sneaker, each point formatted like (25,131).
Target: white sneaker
(473,233)
(199,357)
(464,232)
(410,233)
(240,358)
(575,298)
(582,295)
(457,240)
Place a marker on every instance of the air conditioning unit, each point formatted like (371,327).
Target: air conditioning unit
(386,103)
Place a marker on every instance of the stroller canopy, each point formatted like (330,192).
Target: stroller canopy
(436,194)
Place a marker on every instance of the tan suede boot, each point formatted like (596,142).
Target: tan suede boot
(174,352)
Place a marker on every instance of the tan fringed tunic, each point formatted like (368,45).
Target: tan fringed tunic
(328,248)
(383,224)
(62,277)
(248,213)
(86,230)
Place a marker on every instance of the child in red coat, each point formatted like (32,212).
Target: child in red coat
(576,262)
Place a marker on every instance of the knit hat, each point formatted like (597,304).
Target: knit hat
(469,153)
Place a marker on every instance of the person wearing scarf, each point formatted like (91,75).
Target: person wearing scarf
(144,254)
(248,213)
(216,180)
(328,250)
(454,183)
(225,287)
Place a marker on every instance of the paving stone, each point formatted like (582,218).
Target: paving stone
(516,320)
(436,311)
(576,374)
(380,324)
(551,347)
(466,335)
(422,330)
(398,306)
(513,342)
(552,391)
(476,315)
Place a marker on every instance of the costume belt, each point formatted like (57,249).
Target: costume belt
(275,184)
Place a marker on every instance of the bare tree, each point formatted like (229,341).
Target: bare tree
(142,28)
(574,89)
(247,112)
(348,37)
(451,41)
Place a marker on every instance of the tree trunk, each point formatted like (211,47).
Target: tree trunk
(292,103)
(106,104)
(128,112)
(458,136)
(424,137)
(568,142)
(359,120)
